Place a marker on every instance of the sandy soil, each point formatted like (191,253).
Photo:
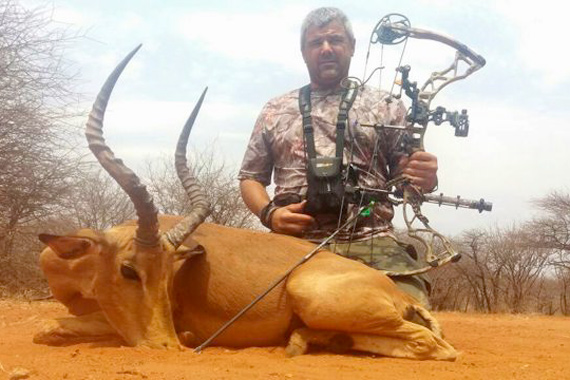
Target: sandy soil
(490,346)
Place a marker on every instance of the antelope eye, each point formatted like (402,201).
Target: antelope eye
(129,272)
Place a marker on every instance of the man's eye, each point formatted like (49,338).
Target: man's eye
(336,40)
(315,43)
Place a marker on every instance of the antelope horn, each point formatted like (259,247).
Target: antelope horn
(147,231)
(201,207)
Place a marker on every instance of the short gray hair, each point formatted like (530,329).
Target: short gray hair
(323,16)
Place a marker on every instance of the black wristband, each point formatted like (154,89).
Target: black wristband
(266,214)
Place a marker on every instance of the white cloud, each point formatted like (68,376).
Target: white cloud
(541,29)
(511,156)
(245,36)
(133,21)
(138,130)
(70,16)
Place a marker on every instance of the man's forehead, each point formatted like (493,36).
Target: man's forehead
(332,28)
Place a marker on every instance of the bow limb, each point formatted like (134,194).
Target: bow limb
(440,79)
(430,239)
(478,61)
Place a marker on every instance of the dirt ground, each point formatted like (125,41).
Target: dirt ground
(490,346)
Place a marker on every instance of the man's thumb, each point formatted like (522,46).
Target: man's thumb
(297,207)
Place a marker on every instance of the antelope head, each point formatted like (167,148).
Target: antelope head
(134,263)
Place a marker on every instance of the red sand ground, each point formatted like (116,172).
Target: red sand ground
(491,347)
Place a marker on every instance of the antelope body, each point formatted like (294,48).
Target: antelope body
(169,281)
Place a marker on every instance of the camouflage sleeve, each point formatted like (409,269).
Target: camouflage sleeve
(393,153)
(257,161)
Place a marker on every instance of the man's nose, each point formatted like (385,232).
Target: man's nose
(326,47)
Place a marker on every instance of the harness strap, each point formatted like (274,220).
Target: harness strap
(305,108)
(348,97)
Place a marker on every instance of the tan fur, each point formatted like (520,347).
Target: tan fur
(188,300)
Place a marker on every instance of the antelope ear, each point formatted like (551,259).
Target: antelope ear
(67,247)
(186,251)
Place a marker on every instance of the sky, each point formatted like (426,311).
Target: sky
(247,52)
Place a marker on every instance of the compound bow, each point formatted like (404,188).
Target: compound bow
(394,29)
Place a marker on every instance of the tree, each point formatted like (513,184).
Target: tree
(481,269)
(500,271)
(219,183)
(96,201)
(552,228)
(35,90)
(523,265)
(449,289)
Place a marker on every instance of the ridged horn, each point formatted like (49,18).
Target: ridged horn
(147,231)
(200,205)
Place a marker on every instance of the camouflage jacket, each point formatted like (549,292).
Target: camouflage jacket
(276,147)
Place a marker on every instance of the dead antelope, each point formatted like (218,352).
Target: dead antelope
(168,281)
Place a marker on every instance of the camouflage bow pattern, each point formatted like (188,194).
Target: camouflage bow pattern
(393,29)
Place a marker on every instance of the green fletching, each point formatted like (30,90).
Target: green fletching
(368,210)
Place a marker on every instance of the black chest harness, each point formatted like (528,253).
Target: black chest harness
(324,174)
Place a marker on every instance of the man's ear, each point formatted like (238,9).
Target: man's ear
(67,247)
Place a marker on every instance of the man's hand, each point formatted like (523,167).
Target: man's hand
(290,219)
(421,169)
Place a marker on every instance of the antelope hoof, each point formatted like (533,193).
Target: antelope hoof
(298,345)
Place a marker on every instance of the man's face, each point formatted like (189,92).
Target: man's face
(327,52)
